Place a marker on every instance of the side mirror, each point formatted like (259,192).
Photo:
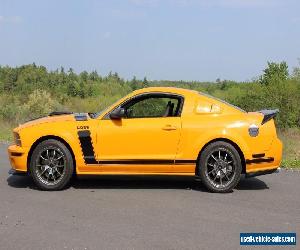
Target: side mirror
(117,114)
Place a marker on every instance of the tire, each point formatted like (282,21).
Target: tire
(220,167)
(51,165)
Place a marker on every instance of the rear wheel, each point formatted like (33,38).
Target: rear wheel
(220,167)
(51,165)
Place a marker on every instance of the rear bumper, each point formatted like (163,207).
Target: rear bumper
(18,158)
(258,173)
(267,162)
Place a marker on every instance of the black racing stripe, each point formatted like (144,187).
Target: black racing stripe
(146,162)
(260,160)
(258,155)
(87,146)
(92,160)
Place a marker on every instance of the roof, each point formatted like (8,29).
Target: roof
(166,89)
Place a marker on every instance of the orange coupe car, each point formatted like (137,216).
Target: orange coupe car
(152,131)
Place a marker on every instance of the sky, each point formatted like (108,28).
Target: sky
(161,39)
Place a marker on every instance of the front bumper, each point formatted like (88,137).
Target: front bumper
(18,158)
(16,172)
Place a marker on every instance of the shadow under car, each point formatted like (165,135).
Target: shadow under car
(138,182)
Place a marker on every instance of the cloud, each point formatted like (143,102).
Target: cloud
(10,19)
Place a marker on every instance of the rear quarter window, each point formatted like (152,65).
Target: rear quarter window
(222,101)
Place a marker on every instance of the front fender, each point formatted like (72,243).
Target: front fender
(66,132)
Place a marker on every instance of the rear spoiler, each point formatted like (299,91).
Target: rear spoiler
(268,114)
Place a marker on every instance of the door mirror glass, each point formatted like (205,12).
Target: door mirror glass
(118,113)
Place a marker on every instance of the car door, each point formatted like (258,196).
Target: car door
(146,138)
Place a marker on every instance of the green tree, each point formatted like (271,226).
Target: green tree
(145,82)
(84,76)
(72,90)
(275,72)
(39,103)
(296,71)
(134,83)
(94,76)
(82,90)
(10,79)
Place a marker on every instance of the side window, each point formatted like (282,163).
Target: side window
(153,106)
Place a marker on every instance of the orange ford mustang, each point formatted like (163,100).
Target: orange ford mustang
(152,131)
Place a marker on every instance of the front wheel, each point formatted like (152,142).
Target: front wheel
(51,165)
(220,167)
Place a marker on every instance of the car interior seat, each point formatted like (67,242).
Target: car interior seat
(169,109)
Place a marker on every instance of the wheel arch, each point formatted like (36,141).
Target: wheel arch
(241,154)
(44,138)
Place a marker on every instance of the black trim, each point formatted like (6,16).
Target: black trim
(258,155)
(146,162)
(60,113)
(260,160)
(137,162)
(264,172)
(268,114)
(16,154)
(16,172)
(87,147)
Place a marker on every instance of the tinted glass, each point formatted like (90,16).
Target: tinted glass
(153,107)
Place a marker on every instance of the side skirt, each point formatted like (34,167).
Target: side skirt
(136,173)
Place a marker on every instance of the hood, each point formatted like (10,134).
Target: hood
(56,117)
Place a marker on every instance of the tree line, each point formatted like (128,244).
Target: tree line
(30,91)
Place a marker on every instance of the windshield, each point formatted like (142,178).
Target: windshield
(220,100)
(96,115)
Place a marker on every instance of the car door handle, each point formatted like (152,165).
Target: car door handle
(169,127)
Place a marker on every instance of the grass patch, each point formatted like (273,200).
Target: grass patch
(291,147)
(6,132)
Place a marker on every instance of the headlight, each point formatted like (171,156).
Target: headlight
(17,139)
